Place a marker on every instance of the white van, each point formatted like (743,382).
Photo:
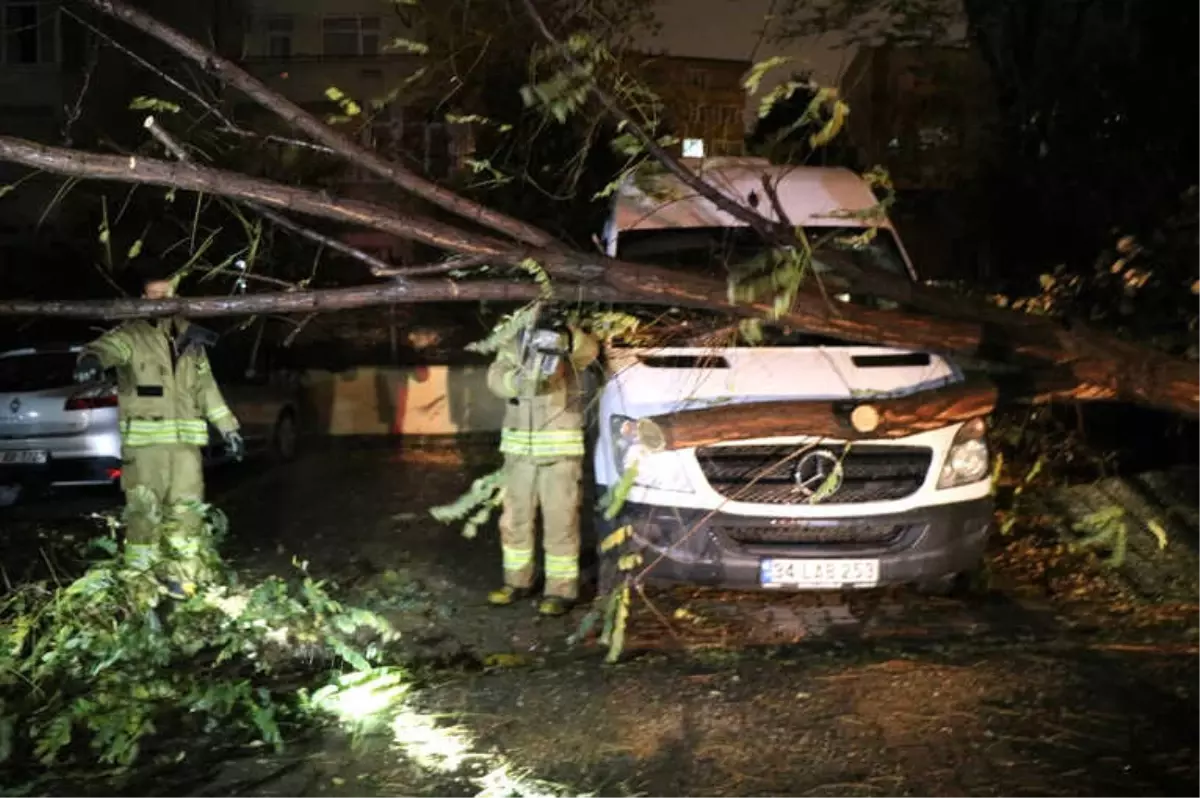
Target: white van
(745,513)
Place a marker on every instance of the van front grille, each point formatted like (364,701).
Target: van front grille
(785,474)
(789,531)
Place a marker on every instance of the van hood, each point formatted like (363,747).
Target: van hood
(648,382)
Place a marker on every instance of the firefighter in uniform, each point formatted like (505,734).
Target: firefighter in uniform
(167,396)
(538,372)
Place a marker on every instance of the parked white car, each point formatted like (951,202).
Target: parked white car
(741,513)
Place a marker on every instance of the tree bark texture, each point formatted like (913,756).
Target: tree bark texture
(893,418)
(314,301)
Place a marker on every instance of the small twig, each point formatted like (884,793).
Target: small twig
(262,278)
(150,67)
(641,589)
(50,565)
(378,267)
(299,328)
(272,138)
(773,196)
(74,111)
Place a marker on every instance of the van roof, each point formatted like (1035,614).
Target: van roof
(810,195)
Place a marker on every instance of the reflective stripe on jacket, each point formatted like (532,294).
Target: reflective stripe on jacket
(543,420)
(163,397)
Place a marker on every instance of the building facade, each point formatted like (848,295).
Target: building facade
(703,100)
(925,113)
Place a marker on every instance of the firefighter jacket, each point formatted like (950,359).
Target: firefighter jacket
(544,418)
(164,396)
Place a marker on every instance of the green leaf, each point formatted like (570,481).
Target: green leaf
(615,498)
(141,103)
(407,45)
(135,249)
(754,77)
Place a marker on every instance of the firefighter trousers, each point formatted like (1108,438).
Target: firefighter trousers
(164,520)
(554,485)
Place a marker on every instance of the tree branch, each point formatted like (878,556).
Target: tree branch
(190,177)
(300,119)
(314,301)
(377,266)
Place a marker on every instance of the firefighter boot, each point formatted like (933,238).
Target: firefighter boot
(508,595)
(555,605)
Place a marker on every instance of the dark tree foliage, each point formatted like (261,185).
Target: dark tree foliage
(783,135)
(1098,102)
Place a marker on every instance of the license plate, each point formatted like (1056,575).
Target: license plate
(24,457)
(818,574)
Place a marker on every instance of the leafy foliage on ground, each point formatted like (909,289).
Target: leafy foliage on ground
(99,669)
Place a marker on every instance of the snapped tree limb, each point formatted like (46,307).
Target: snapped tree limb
(306,301)
(378,267)
(190,177)
(302,120)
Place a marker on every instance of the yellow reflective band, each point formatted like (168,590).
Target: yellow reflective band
(151,432)
(516,559)
(542,443)
(562,567)
(219,412)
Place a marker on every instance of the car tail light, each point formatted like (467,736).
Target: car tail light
(93,399)
(113,473)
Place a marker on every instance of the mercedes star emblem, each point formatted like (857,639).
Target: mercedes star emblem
(15,405)
(815,469)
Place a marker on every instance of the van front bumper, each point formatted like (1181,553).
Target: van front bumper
(720,550)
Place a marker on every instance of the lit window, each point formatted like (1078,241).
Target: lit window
(350,35)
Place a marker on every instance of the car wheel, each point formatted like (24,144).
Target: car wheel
(286,438)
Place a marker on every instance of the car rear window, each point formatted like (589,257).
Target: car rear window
(36,372)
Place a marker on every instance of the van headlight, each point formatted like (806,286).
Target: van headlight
(661,470)
(967,460)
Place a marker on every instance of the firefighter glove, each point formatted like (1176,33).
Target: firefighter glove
(235,445)
(88,368)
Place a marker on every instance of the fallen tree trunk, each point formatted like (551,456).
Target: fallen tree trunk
(1102,366)
(848,420)
(304,301)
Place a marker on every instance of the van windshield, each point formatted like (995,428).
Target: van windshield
(718,250)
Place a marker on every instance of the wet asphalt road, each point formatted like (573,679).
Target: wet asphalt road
(990,696)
